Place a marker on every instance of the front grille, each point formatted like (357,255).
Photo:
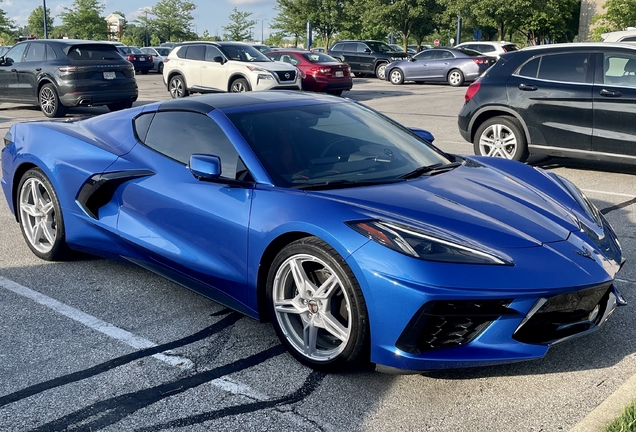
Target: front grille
(564,315)
(286,75)
(450,323)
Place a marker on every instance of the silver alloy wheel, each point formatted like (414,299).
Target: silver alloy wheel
(238,87)
(37,215)
(455,78)
(312,307)
(176,88)
(396,76)
(380,71)
(498,140)
(48,101)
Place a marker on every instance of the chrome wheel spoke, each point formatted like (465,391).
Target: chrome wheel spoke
(333,326)
(326,290)
(293,306)
(310,336)
(48,231)
(300,277)
(29,209)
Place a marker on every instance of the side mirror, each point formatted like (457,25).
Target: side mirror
(219,59)
(424,134)
(4,61)
(412,59)
(205,167)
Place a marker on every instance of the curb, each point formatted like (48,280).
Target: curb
(611,408)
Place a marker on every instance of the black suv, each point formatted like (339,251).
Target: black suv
(565,100)
(57,74)
(366,57)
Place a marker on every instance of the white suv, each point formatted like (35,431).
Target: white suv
(488,48)
(206,67)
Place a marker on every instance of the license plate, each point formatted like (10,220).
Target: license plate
(109,75)
(339,74)
(142,58)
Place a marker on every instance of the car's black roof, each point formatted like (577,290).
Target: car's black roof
(66,42)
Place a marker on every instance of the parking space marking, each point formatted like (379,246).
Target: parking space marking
(95,323)
(609,193)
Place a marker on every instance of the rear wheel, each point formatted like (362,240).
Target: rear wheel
(240,85)
(160,68)
(177,87)
(501,137)
(455,78)
(117,106)
(317,307)
(50,102)
(396,76)
(380,70)
(40,217)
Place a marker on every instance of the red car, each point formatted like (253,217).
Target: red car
(322,73)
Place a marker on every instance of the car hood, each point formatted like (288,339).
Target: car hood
(472,203)
(272,66)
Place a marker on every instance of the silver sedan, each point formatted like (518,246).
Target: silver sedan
(157,53)
(454,66)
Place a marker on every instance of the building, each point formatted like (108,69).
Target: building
(115,25)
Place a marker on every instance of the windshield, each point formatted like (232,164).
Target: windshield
(332,142)
(244,53)
(317,57)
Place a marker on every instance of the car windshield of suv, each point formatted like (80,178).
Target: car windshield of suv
(379,47)
(244,53)
(332,145)
(319,58)
(130,50)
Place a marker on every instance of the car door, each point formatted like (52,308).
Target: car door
(350,55)
(614,99)
(365,58)
(196,228)
(214,73)
(419,66)
(553,95)
(29,70)
(9,72)
(440,64)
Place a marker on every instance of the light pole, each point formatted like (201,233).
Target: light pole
(46,30)
(262,21)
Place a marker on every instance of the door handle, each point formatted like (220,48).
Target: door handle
(610,93)
(527,87)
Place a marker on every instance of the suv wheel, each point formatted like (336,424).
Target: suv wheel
(455,78)
(50,102)
(240,85)
(177,87)
(501,137)
(380,69)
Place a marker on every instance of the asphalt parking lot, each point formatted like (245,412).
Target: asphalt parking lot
(96,344)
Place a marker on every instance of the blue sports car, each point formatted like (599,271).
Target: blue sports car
(355,236)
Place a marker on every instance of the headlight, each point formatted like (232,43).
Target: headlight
(265,77)
(257,69)
(419,244)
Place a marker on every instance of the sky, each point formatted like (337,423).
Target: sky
(209,14)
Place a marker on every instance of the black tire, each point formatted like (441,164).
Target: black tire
(50,102)
(501,137)
(177,87)
(335,92)
(380,70)
(117,106)
(145,72)
(396,76)
(240,85)
(160,68)
(455,77)
(48,242)
(342,308)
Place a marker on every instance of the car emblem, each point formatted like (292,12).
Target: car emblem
(585,253)
(313,306)
(287,75)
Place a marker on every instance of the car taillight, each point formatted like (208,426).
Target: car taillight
(505,49)
(150,57)
(130,57)
(71,68)
(480,61)
(320,70)
(472,90)
(166,59)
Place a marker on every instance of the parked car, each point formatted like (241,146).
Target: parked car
(141,62)
(321,73)
(420,48)
(492,49)
(416,259)
(400,49)
(261,47)
(571,100)
(317,49)
(454,66)
(366,57)
(60,73)
(157,54)
(204,67)
(170,45)
(624,36)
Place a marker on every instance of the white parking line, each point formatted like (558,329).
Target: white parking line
(94,323)
(608,193)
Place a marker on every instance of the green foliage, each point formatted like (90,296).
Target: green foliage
(134,35)
(84,20)
(172,20)
(275,39)
(208,37)
(626,422)
(155,41)
(619,15)
(239,27)
(6,25)
(36,22)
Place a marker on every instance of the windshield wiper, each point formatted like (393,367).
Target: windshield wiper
(430,170)
(339,184)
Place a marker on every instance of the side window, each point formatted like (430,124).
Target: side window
(50,53)
(15,53)
(530,68)
(351,47)
(274,56)
(571,67)
(211,52)
(288,58)
(446,55)
(475,47)
(179,134)
(196,52)
(486,48)
(426,55)
(362,48)
(182,51)
(35,53)
(629,39)
(141,125)
(338,47)
(619,69)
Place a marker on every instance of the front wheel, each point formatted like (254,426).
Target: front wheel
(501,137)
(240,85)
(455,78)
(177,87)
(50,102)
(40,217)
(396,76)
(380,70)
(317,307)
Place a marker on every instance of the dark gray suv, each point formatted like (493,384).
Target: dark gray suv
(366,56)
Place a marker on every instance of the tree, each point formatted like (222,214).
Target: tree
(172,20)
(84,20)
(35,22)
(619,15)
(134,35)
(290,21)
(155,41)
(6,25)
(239,27)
